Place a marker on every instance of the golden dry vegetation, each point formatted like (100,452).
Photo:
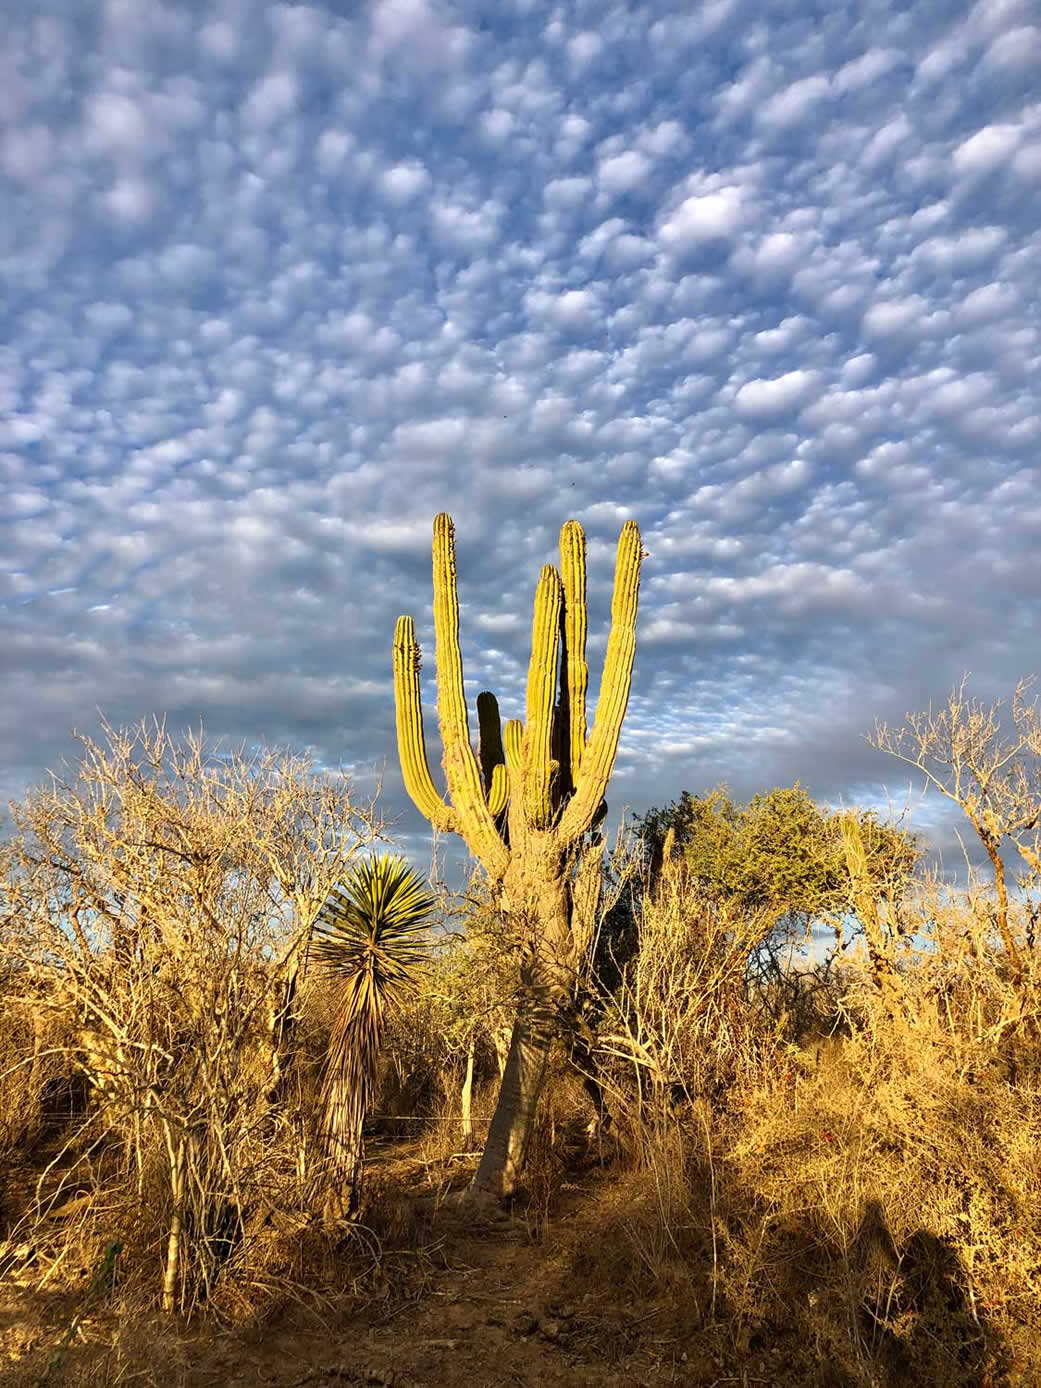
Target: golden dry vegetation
(809,1167)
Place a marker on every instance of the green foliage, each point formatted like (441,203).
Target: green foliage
(780,853)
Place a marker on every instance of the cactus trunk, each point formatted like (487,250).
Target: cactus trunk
(530,804)
(509,1132)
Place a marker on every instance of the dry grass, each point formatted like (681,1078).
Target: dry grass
(861,1207)
(871,1202)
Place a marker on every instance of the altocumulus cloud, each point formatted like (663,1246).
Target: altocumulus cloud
(280,284)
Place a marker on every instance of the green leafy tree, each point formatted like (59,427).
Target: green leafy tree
(371,935)
(780,853)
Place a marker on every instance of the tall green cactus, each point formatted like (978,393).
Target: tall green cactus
(557,775)
(527,801)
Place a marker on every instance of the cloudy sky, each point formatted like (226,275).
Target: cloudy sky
(281,282)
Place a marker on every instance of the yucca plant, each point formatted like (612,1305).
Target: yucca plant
(370,936)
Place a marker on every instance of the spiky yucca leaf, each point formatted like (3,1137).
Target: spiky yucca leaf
(368,936)
(367,932)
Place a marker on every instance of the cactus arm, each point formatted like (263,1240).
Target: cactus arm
(491,754)
(489,741)
(575,671)
(475,820)
(415,768)
(542,689)
(513,742)
(499,790)
(598,758)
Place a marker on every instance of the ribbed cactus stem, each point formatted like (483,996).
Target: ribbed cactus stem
(415,768)
(575,672)
(542,689)
(491,754)
(513,745)
(476,822)
(499,790)
(489,736)
(613,699)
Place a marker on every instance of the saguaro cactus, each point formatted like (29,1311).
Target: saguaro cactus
(529,803)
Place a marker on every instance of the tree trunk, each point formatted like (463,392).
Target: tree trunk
(884,972)
(281,1024)
(993,847)
(176,1153)
(467,1093)
(501,1040)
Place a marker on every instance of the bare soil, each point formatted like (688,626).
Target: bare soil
(500,1303)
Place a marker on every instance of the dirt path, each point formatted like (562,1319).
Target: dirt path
(504,1304)
(501,1310)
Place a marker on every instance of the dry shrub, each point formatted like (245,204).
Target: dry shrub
(561,1144)
(682,1039)
(890,1191)
(870,1204)
(40,1089)
(157,906)
(682,1027)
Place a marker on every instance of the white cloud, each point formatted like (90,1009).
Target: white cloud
(333,148)
(271,100)
(701,218)
(130,199)
(986,303)
(793,104)
(741,280)
(766,399)
(622,172)
(885,141)
(1017,49)
(584,47)
(780,251)
(115,124)
(965,250)
(892,317)
(405,181)
(987,149)
(860,72)
(567,193)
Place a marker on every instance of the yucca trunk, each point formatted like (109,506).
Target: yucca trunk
(348,1085)
(345,1150)
(368,934)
